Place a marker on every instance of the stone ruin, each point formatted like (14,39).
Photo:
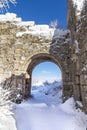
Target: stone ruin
(23,45)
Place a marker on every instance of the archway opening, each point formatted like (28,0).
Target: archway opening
(46,71)
(46,82)
(36,60)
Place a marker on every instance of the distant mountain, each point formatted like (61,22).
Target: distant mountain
(40,82)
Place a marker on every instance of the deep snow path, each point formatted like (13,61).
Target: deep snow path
(46,112)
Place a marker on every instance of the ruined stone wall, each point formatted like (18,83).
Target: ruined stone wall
(21,51)
(78,27)
(82,39)
(24,47)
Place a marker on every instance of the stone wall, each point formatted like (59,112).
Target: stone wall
(78,27)
(82,38)
(23,45)
(21,51)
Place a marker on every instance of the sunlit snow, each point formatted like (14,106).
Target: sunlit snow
(9,17)
(79,6)
(43,111)
(30,28)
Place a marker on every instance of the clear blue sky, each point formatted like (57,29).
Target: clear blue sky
(47,70)
(41,11)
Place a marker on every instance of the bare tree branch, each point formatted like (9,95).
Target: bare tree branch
(4,4)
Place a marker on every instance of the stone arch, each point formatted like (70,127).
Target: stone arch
(42,57)
(35,60)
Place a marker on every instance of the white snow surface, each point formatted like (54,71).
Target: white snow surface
(45,111)
(11,17)
(30,28)
(43,31)
(27,23)
(7,122)
(79,4)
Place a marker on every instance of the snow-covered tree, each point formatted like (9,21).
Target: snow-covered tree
(54,24)
(5,3)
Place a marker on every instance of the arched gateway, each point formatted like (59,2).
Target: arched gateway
(62,64)
(35,60)
(23,45)
(25,49)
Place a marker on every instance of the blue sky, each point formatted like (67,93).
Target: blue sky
(41,11)
(47,70)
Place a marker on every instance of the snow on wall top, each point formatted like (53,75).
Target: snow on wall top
(43,32)
(30,28)
(10,17)
(79,5)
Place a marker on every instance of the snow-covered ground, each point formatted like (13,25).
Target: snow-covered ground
(7,122)
(44,111)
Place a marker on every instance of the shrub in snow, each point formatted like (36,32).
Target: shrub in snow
(14,92)
(54,24)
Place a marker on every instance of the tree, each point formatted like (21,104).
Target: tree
(4,4)
(54,24)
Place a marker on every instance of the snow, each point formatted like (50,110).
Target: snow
(30,28)
(79,104)
(79,5)
(43,31)
(45,111)
(41,81)
(39,31)
(7,121)
(84,68)
(77,46)
(60,33)
(11,17)
(27,23)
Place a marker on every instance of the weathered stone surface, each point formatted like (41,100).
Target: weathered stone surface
(20,52)
(23,47)
(79,66)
